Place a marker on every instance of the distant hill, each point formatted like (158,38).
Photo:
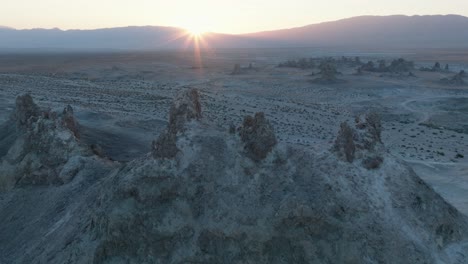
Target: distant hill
(123,38)
(450,31)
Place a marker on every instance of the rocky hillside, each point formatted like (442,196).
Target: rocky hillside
(207,195)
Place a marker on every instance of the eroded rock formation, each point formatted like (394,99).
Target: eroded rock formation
(41,148)
(363,142)
(258,136)
(26,111)
(456,80)
(69,121)
(184,109)
(213,203)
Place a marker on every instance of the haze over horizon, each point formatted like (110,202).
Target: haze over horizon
(207,15)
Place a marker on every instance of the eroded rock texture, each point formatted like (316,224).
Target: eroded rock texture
(364,142)
(40,148)
(184,109)
(69,121)
(258,136)
(26,111)
(214,203)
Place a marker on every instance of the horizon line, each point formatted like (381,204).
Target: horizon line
(212,32)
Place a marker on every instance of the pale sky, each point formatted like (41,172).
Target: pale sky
(224,16)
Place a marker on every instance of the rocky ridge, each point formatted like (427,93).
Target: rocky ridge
(205,195)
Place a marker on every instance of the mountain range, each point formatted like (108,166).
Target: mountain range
(398,31)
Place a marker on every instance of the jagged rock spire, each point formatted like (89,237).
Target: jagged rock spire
(185,108)
(25,109)
(258,136)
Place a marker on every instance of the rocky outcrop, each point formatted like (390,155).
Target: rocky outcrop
(258,136)
(456,80)
(218,206)
(43,145)
(237,70)
(400,65)
(214,203)
(396,66)
(327,73)
(363,143)
(69,121)
(344,142)
(26,111)
(303,63)
(436,68)
(184,109)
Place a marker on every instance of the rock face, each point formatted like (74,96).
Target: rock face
(218,206)
(184,109)
(69,121)
(344,142)
(26,109)
(41,147)
(362,143)
(258,136)
(213,203)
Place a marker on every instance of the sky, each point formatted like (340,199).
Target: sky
(223,16)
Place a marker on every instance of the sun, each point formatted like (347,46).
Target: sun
(196,32)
